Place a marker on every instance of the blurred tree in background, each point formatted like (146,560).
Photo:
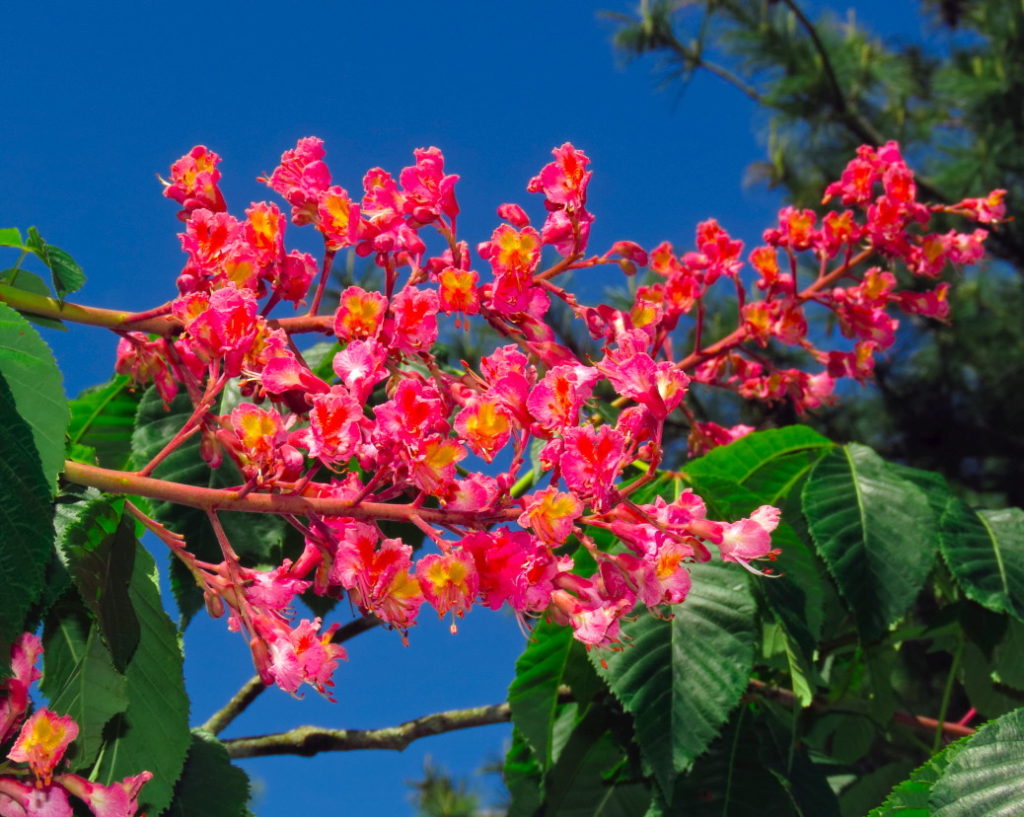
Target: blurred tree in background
(954,102)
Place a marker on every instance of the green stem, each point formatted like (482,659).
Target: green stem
(947,694)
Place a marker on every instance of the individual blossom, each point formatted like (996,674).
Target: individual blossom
(301,178)
(590,462)
(119,799)
(338,218)
(551,514)
(415,320)
(750,539)
(300,655)
(428,191)
(43,739)
(485,426)
(360,314)
(564,181)
(194,180)
(449,582)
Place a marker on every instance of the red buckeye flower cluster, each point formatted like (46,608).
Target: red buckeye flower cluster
(40,741)
(399,434)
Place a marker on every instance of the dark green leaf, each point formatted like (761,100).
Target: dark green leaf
(99,549)
(586,781)
(985,552)
(741,460)
(26,519)
(552,658)
(875,531)
(103,417)
(210,785)
(67,275)
(80,681)
(987,776)
(27,365)
(10,237)
(258,538)
(153,731)
(680,679)
(522,778)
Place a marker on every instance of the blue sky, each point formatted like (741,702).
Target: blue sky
(99,98)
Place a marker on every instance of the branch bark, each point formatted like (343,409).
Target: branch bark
(311,740)
(233,499)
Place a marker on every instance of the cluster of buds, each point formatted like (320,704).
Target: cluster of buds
(40,742)
(400,435)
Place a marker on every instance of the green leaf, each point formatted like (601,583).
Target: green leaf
(258,538)
(80,680)
(26,519)
(985,552)
(875,531)
(210,785)
(586,780)
(10,237)
(551,658)
(99,549)
(523,778)
(103,417)
(27,365)
(986,777)
(910,798)
(680,679)
(741,460)
(153,731)
(67,275)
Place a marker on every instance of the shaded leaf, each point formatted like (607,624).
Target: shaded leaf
(985,553)
(26,519)
(587,779)
(875,531)
(103,417)
(680,679)
(523,778)
(210,785)
(80,680)
(99,549)
(35,383)
(551,658)
(153,732)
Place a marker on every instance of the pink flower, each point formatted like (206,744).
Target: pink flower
(449,581)
(429,193)
(301,177)
(194,180)
(750,539)
(564,181)
(115,800)
(42,742)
